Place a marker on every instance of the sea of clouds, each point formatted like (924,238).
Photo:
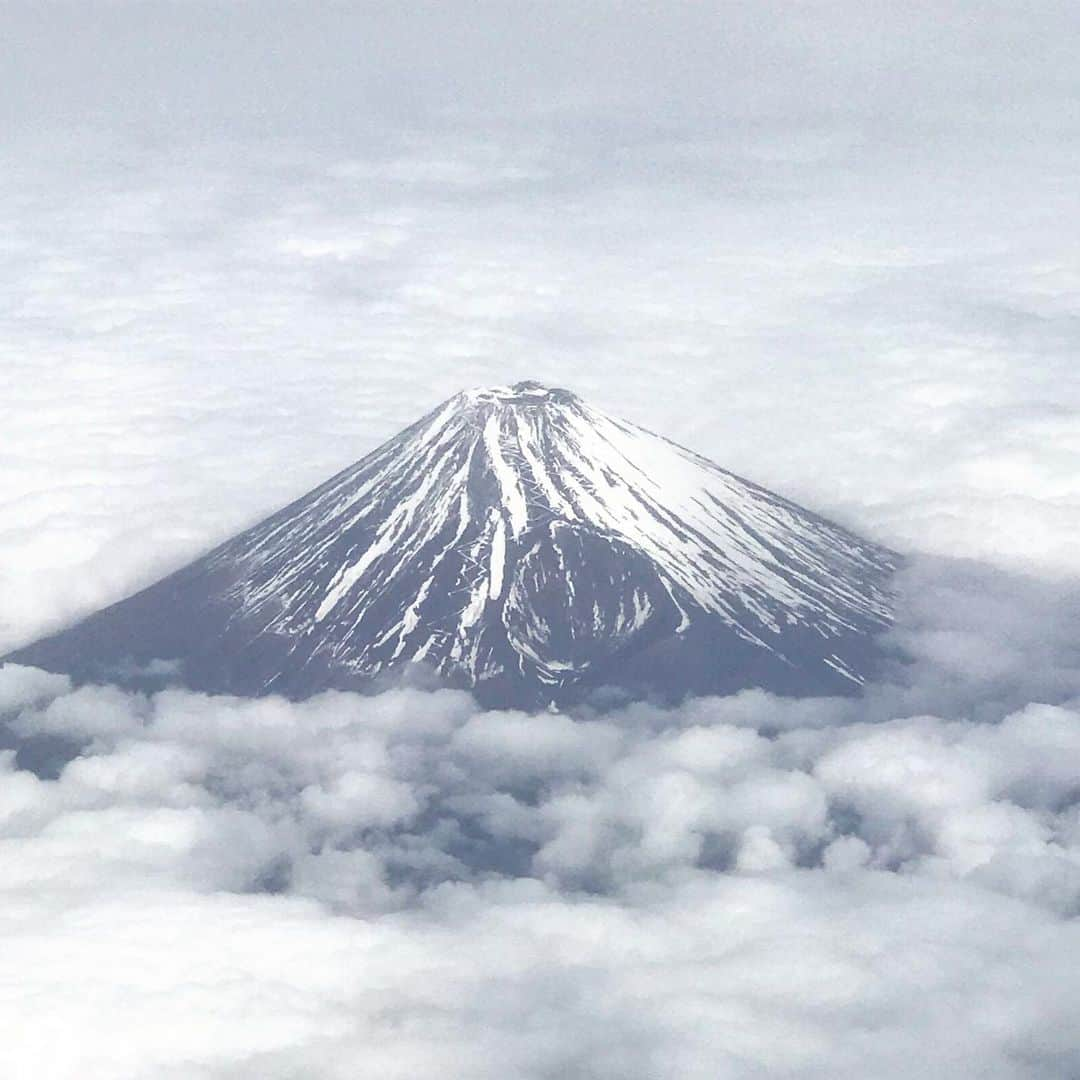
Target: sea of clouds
(403,884)
(828,245)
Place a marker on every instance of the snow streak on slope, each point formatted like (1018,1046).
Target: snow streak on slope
(519,531)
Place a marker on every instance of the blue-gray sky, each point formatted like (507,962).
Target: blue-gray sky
(829,245)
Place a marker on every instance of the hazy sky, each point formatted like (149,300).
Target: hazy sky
(831,246)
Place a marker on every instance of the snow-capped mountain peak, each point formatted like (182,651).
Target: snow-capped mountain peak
(520,541)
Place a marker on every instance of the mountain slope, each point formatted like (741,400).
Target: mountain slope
(519,542)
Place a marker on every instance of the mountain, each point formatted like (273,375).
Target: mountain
(523,544)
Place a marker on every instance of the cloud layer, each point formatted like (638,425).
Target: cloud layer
(404,885)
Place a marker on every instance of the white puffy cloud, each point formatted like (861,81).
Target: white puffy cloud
(23,686)
(402,884)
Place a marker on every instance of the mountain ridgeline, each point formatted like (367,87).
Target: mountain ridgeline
(519,543)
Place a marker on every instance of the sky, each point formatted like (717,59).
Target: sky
(829,246)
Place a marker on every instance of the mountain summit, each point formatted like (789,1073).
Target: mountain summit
(520,543)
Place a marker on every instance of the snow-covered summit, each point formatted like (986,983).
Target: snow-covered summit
(525,394)
(521,542)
